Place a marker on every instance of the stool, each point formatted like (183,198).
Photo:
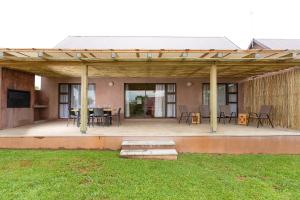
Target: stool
(243,119)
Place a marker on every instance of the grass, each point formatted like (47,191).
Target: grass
(62,174)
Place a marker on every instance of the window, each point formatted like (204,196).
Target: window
(227,95)
(171,100)
(37,82)
(70,97)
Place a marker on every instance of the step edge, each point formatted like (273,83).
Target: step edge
(154,152)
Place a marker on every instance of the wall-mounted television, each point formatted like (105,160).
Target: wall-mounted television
(18,99)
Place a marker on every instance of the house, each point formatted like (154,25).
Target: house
(149,78)
(275,44)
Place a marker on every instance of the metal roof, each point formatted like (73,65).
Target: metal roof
(145,42)
(278,43)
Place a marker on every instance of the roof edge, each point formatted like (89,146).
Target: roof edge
(253,41)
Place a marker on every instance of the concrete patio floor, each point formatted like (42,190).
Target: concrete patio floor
(147,127)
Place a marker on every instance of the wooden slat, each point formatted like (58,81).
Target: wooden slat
(163,63)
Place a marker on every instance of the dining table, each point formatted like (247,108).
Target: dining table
(107,110)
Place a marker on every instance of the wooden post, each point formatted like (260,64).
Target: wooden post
(84,99)
(1,97)
(213,98)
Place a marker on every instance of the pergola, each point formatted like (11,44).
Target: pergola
(84,63)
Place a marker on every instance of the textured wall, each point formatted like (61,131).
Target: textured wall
(114,96)
(282,91)
(13,117)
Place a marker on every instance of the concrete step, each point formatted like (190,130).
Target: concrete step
(164,154)
(148,144)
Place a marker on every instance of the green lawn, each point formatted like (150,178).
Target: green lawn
(62,174)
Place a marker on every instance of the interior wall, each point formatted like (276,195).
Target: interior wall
(114,95)
(13,117)
(282,91)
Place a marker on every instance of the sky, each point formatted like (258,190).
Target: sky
(44,23)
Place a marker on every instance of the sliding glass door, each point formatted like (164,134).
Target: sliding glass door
(70,97)
(150,100)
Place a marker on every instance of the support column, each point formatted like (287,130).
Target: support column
(213,98)
(84,99)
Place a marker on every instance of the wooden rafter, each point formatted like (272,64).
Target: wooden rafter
(160,53)
(161,63)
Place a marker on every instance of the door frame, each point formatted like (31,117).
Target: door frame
(166,103)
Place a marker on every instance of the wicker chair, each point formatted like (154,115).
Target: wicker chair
(264,114)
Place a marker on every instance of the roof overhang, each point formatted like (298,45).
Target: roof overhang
(148,63)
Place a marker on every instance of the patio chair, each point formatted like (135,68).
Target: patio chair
(72,116)
(183,113)
(264,114)
(100,116)
(225,112)
(204,112)
(117,116)
(90,117)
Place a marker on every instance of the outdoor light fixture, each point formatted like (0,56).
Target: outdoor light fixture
(189,84)
(113,55)
(110,83)
(184,54)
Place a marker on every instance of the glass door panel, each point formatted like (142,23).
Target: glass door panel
(160,100)
(227,95)
(70,97)
(63,100)
(171,100)
(75,96)
(221,96)
(149,103)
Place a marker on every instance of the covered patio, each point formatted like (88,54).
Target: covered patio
(210,65)
(143,128)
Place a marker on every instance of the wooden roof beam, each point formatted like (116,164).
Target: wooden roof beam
(68,54)
(289,55)
(9,56)
(211,55)
(45,56)
(92,55)
(80,55)
(280,55)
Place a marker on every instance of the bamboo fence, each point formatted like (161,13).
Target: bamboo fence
(281,91)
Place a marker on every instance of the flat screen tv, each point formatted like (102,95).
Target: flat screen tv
(18,99)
